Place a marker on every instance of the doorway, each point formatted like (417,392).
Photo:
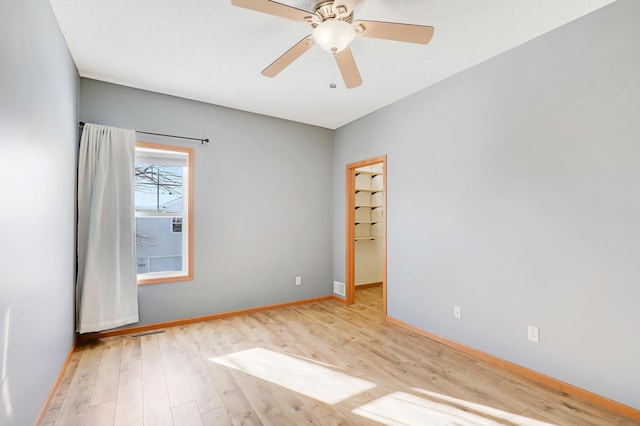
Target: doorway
(366,227)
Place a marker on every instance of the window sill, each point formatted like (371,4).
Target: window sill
(161,280)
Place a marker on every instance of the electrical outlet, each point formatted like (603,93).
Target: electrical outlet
(533,334)
(457,312)
(298,280)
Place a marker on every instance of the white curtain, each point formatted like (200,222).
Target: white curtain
(106,290)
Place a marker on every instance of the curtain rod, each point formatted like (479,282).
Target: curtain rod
(202,141)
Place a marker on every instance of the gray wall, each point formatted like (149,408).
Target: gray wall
(38,137)
(263,201)
(513,192)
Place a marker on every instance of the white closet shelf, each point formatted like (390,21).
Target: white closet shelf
(368,173)
(372,206)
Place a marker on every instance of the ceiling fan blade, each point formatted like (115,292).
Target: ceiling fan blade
(274,8)
(288,57)
(348,68)
(420,34)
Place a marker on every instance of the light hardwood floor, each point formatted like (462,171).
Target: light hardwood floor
(322,363)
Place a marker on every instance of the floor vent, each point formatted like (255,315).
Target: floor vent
(338,288)
(135,336)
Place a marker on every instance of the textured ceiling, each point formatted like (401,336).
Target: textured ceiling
(211,51)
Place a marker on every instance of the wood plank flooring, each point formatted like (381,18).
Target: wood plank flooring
(323,363)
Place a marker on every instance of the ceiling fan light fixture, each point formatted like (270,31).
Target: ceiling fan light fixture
(334,35)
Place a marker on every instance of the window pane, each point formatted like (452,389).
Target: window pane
(163,178)
(158,188)
(158,246)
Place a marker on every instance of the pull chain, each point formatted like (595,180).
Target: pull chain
(332,82)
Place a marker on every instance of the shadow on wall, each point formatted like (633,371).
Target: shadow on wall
(6,411)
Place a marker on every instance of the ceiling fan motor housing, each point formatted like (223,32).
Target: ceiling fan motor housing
(327,10)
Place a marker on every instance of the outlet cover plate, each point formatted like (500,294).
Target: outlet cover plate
(457,312)
(533,334)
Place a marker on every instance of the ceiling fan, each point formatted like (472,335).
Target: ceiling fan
(333,30)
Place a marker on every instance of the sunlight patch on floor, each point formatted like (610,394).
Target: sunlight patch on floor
(493,412)
(315,361)
(400,408)
(300,376)
(320,381)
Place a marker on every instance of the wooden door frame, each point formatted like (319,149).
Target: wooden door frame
(350,273)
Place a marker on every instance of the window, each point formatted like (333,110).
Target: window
(164,212)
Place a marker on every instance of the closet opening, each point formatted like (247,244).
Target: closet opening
(366,230)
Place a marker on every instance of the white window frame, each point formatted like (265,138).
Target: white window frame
(176,153)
